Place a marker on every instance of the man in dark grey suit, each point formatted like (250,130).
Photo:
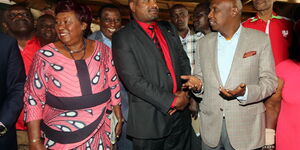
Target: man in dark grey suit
(150,59)
(12,79)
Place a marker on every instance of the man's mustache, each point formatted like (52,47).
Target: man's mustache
(153,10)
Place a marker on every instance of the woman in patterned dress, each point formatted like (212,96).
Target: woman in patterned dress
(72,87)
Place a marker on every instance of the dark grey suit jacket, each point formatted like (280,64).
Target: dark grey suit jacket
(12,78)
(144,73)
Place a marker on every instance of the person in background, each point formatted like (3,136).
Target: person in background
(72,87)
(280,31)
(202,28)
(149,58)
(12,79)
(200,18)
(288,71)
(45,29)
(233,78)
(180,18)
(110,22)
(19,23)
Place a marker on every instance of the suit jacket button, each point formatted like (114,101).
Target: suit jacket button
(221,109)
(169,74)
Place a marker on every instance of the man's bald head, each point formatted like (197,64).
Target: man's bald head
(225,14)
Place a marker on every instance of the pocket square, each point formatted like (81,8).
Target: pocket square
(250,53)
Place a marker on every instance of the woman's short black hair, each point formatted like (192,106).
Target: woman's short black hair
(83,12)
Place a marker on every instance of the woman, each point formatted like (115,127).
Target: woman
(288,125)
(72,87)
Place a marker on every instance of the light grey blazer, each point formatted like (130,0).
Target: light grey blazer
(245,120)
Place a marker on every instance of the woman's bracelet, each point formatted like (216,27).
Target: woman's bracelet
(35,140)
(269,146)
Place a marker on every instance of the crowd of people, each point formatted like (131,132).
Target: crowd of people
(222,84)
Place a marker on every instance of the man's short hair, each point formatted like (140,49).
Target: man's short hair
(204,7)
(45,16)
(177,6)
(100,12)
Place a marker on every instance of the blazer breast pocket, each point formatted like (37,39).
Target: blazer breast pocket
(250,58)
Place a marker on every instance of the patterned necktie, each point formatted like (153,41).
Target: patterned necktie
(153,37)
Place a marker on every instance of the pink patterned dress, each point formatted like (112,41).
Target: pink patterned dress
(288,125)
(72,98)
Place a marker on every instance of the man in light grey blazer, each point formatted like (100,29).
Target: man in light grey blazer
(234,72)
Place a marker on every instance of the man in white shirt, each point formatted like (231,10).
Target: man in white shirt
(233,77)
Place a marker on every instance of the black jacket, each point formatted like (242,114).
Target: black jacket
(12,78)
(144,73)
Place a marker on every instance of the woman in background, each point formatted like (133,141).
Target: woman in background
(288,125)
(72,87)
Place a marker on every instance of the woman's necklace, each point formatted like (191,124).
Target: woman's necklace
(73,52)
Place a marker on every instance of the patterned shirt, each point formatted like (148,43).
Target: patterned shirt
(189,44)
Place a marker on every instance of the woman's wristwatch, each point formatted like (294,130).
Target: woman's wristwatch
(3,129)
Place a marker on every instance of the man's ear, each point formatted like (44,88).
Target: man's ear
(235,11)
(5,27)
(132,6)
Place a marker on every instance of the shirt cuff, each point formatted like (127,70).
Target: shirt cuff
(198,93)
(244,97)
(2,124)
(174,102)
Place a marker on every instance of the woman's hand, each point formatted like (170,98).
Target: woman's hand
(119,128)
(37,146)
(34,133)
(118,113)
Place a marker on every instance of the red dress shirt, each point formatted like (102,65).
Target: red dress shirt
(165,50)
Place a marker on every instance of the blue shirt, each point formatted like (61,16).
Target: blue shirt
(226,51)
(99,36)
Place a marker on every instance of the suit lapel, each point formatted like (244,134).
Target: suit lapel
(214,43)
(166,34)
(237,55)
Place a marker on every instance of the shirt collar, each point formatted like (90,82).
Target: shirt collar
(274,16)
(32,42)
(235,35)
(187,35)
(144,25)
(104,37)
